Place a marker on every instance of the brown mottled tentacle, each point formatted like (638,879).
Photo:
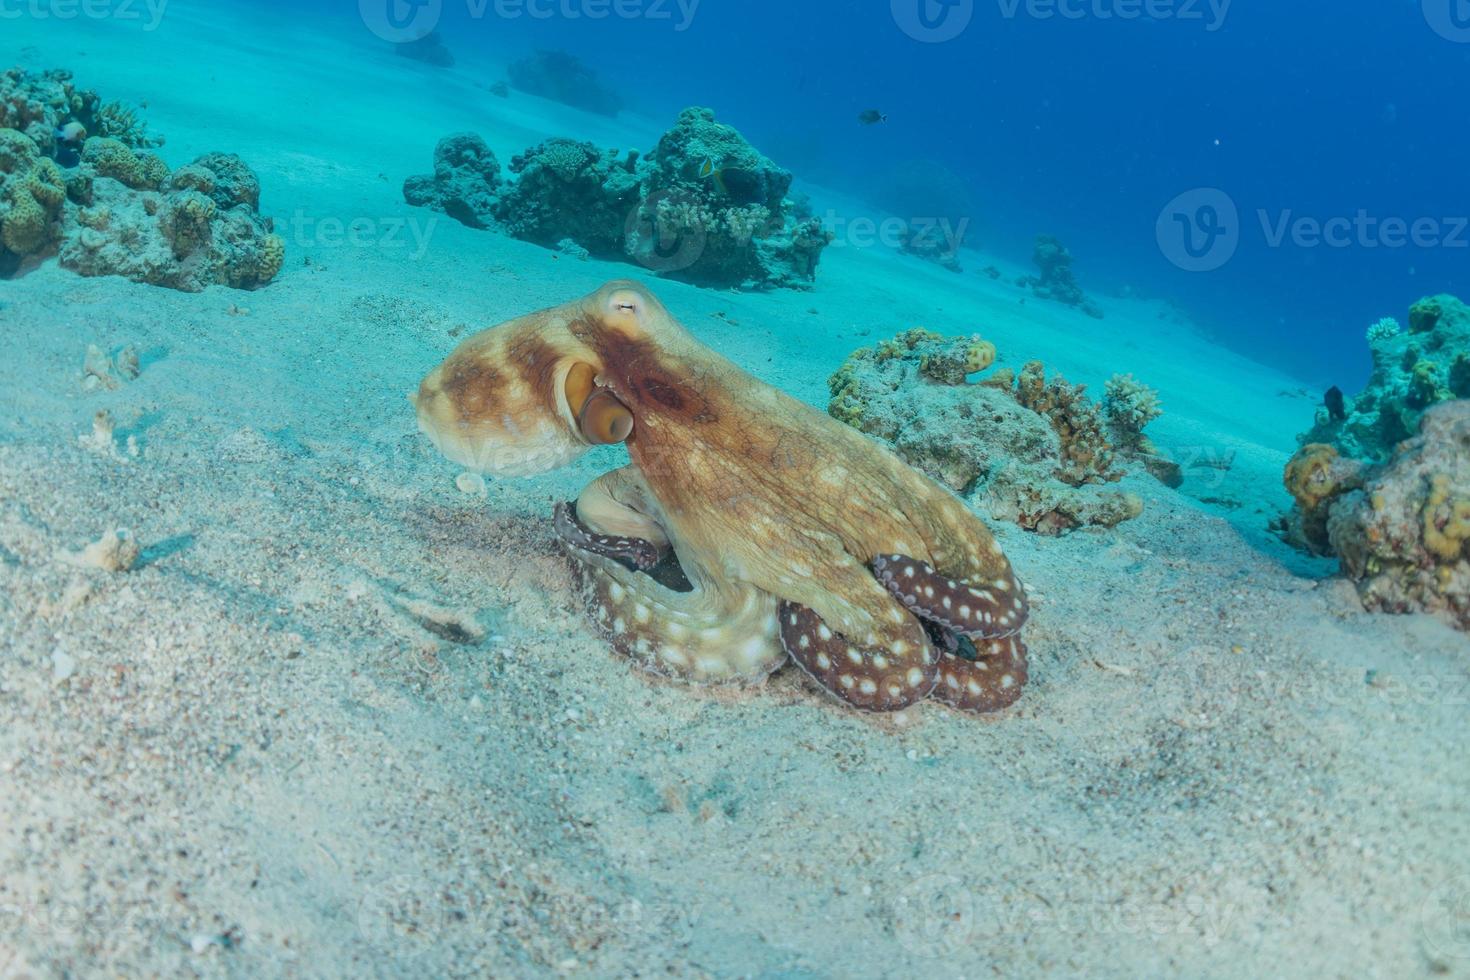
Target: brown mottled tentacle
(990,618)
(993,680)
(890,671)
(978,610)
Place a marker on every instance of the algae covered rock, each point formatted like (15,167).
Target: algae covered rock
(571,191)
(188,230)
(1413,370)
(1404,534)
(465,182)
(564,78)
(1057,281)
(32,193)
(705,206)
(1025,449)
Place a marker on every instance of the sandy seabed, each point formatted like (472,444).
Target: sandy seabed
(342,717)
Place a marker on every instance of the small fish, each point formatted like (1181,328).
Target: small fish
(708,171)
(871,117)
(72,132)
(1335,404)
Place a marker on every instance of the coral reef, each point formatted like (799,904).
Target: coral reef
(41,104)
(1128,407)
(429,49)
(1401,528)
(572,191)
(564,78)
(196,227)
(464,184)
(1026,449)
(1057,281)
(32,192)
(705,206)
(931,243)
(1413,370)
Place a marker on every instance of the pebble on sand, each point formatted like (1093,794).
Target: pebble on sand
(115,551)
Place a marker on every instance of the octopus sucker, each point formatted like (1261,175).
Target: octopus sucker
(723,548)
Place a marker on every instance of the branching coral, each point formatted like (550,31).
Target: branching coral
(1028,450)
(1087,456)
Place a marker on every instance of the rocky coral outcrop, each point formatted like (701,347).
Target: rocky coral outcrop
(564,78)
(705,206)
(465,183)
(196,227)
(932,243)
(430,49)
(41,104)
(1402,528)
(32,193)
(1413,370)
(1024,448)
(1057,280)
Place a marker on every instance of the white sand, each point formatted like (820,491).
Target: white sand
(342,719)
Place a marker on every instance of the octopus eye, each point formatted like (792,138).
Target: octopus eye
(605,420)
(625,301)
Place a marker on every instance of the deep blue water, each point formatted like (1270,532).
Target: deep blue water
(1086,125)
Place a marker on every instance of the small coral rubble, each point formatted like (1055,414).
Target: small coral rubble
(1027,449)
(705,206)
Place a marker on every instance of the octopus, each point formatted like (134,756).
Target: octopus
(748,528)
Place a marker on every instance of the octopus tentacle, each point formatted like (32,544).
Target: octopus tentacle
(702,636)
(979,611)
(887,673)
(640,554)
(993,680)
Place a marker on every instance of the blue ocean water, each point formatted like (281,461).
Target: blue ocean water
(1285,173)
